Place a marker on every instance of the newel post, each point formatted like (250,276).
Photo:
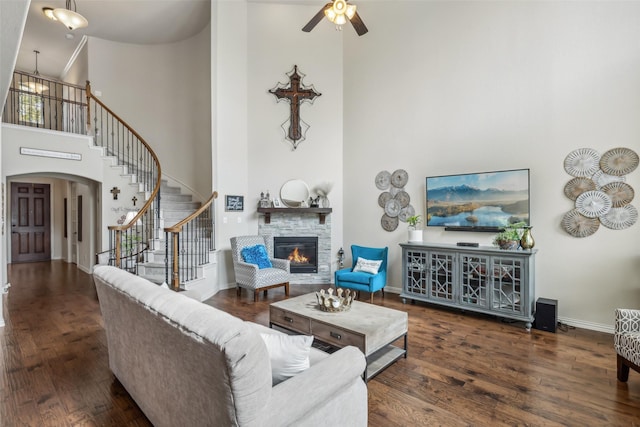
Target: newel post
(175,275)
(88,93)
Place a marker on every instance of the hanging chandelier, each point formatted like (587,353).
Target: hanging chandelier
(68,17)
(36,84)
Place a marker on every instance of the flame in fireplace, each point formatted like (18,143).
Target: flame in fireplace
(297,258)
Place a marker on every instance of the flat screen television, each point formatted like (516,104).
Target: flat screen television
(485,201)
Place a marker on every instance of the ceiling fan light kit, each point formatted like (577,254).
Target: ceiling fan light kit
(338,12)
(69,18)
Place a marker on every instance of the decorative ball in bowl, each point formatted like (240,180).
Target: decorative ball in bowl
(335,302)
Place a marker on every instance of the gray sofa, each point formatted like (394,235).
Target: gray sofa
(187,363)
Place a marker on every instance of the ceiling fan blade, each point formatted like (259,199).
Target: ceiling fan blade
(317,18)
(358,25)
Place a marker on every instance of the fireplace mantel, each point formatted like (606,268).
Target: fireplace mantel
(322,212)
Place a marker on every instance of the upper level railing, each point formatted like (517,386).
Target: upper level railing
(40,102)
(189,243)
(130,240)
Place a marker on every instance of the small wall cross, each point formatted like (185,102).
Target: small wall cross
(295,94)
(134,200)
(115,191)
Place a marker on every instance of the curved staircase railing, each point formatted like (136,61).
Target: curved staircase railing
(189,244)
(129,241)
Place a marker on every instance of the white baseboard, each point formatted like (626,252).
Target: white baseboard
(609,329)
(587,325)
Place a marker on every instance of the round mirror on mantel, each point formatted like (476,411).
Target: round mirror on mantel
(294,193)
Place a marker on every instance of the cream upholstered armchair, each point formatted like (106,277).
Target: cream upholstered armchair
(261,273)
(627,341)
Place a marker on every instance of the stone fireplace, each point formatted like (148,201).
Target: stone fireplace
(290,225)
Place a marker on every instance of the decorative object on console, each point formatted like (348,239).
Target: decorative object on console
(322,190)
(415,234)
(294,192)
(295,93)
(394,200)
(527,241)
(341,301)
(599,190)
(510,236)
(265,200)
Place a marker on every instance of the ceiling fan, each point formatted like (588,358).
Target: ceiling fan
(338,12)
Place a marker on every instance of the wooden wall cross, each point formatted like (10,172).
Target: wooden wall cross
(295,93)
(115,191)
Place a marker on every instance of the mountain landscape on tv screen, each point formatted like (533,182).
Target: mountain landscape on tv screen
(469,206)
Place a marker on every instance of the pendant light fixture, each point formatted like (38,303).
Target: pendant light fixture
(36,84)
(70,18)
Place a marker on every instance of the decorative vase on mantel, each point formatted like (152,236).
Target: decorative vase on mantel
(527,241)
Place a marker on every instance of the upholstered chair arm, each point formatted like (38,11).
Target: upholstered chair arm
(627,320)
(282,264)
(326,379)
(246,266)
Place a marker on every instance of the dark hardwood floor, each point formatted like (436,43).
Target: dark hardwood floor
(462,369)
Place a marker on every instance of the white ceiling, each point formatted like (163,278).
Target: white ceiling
(128,21)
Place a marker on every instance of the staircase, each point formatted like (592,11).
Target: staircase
(175,206)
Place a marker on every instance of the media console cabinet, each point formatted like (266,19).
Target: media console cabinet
(481,279)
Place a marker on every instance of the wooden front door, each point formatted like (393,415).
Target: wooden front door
(30,222)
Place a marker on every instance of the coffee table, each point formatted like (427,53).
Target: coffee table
(371,328)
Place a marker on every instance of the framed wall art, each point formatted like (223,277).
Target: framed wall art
(233,203)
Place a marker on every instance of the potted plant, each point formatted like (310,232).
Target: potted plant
(415,234)
(509,237)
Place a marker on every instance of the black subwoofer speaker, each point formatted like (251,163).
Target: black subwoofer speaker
(546,314)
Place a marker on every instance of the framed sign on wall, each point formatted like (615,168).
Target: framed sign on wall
(233,203)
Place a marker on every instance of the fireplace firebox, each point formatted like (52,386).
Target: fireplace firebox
(302,252)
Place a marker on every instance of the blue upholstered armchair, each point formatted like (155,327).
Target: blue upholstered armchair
(360,276)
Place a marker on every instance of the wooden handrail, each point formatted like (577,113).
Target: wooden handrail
(175,231)
(176,228)
(120,228)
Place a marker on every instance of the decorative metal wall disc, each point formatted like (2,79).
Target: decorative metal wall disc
(399,178)
(392,208)
(619,161)
(620,218)
(582,162)
(383,180)
(395,190)
(403,198)
(593,203)
(621,193)
(383,198)
(578,225)
(601,179)
(388,223)
(406,213)
(577,186)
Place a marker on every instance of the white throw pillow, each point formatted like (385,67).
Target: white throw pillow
(289,354)
(367,266)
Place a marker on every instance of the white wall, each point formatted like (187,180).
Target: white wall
(443,87)
(100,209)
(275,45)
(162,91)
(13,16)
(256,46)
